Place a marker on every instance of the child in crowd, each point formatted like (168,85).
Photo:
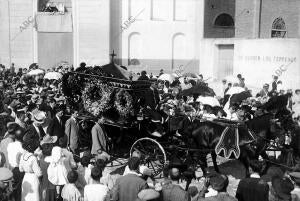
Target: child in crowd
(95,191)
(84,173)
(70,191)
(57,171)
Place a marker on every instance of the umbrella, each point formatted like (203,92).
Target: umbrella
(167,77)
(238,98)
(235,90)
(192,75)
(232,79)
(36,72)
(208,101)
(53,76)
(200,89)
(33,66)
(276,102)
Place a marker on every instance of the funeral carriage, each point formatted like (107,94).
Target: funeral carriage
(115,94)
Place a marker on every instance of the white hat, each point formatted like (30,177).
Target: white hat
(39,117)
(48,139)
(148,194)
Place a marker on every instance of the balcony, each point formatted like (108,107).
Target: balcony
(54,22)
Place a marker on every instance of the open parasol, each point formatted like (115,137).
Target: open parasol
(276,102)
(199,89)
(36,72)
(235,90)
(208,100)
(53,76)
(167,77)
(238,98)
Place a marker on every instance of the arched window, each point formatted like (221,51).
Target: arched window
(224,20)
(278,28)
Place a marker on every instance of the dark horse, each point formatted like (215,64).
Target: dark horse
(207,134)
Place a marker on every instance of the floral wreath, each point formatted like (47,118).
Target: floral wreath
(123,102)
(96,97)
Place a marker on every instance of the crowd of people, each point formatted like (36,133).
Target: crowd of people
(42,157)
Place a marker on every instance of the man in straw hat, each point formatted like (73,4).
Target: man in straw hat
(35,130)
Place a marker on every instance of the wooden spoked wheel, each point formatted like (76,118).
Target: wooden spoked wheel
(152,154)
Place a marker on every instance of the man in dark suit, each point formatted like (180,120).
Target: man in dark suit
(274,83)
(72,131)
(253,188)
(52,106)
(186,124)
(56,126)
(127,187)
(35,131)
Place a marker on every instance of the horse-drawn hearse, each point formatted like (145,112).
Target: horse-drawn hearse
(113,93)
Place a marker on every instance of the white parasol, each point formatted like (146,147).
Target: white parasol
(175,74)
(235,90)
(36,72)
(53,76)
(208,100)
(167,77)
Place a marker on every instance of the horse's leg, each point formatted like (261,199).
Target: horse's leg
(203,163)
(244,158)
(261,150)
(214,160)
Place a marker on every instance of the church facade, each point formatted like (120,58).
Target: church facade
(216,38)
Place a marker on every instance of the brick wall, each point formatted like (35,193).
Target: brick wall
(247,17)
